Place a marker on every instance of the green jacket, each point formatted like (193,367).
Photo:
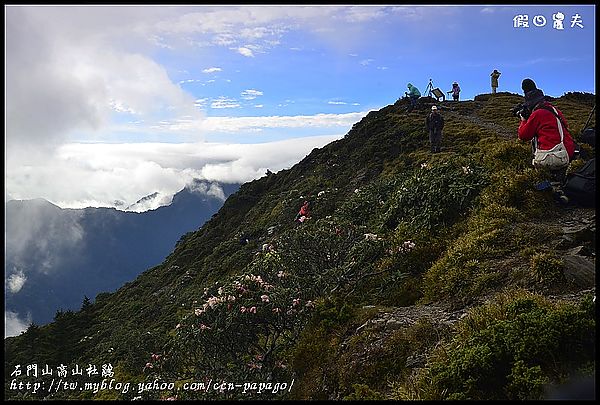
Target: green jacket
(413,91)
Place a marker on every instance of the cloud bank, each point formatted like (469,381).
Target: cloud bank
(13,325)
(81,175)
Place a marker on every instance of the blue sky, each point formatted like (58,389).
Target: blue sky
(98,96)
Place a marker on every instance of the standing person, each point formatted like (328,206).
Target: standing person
(455,91)
(495,75)
(413,95)
(547,129)
(435,123)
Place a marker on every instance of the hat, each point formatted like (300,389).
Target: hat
(532,97)
(433,108)
(528,85)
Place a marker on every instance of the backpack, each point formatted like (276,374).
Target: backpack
(580,186)
(589,136)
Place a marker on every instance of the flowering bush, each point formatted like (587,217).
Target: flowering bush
(242,328)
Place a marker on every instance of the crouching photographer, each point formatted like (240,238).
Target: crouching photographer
(545,126)
(521,111)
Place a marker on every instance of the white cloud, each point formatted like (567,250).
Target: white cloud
(251,94)
(79,80)
(224,102)
(211,70)
(250,161)
(16,281)
(241,124)
(363,14)
(81,175)
(212,190)
(151,202)
(244,51)
(337,102)
(13,325)
(201,102)
(366,62)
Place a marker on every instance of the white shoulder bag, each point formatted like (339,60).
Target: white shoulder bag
(555,158)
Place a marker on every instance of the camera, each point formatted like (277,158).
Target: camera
(521,110)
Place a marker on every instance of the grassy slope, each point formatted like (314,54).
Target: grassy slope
(461,258)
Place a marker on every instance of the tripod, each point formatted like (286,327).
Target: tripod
(429,88)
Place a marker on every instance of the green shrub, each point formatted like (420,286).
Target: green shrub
(547,268)
(508,349)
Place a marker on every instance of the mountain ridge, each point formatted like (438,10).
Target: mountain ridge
(39,233)
(391,227)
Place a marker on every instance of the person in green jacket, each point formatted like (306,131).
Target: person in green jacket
(413,95)
(495,75)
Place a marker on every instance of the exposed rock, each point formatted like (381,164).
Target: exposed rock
(580,270)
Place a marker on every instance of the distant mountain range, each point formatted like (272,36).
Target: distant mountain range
(55,257)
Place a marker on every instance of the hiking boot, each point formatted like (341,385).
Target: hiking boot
(560,196)
(563,200)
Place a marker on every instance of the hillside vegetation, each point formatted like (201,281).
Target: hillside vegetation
(417,276)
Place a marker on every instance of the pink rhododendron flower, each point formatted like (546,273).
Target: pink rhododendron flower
(212,301)
(264,298)
(252,310)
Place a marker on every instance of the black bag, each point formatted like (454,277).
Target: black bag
(580,186)
(589,136)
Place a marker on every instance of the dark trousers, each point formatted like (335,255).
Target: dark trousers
(435,139)
(413,101)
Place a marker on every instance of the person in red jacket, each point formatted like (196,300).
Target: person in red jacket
(541,127)
(304,212)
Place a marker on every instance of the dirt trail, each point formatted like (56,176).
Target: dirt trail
(492,126)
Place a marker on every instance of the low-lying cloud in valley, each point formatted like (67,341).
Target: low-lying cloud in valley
(81,175)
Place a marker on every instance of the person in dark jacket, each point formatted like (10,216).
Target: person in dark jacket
(541,127)
(434,124)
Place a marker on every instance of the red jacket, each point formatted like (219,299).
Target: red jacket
(304,210)
(543,124)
